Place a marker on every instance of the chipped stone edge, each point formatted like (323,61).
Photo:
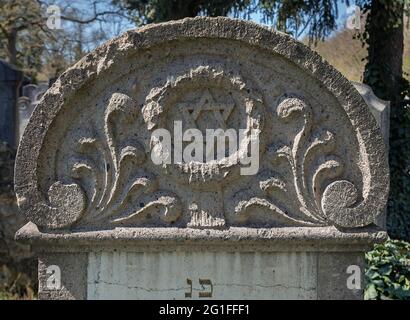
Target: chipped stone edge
(327,239)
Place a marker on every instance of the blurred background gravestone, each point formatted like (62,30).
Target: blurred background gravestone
(31,95)
(17,267)
(379,108)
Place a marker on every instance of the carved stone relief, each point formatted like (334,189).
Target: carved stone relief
(85,159)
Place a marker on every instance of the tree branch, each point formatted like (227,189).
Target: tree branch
(94,18)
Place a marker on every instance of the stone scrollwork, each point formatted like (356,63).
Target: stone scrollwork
(103,190)
(307,146)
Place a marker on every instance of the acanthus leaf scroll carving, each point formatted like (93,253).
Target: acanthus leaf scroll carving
(321,158)
(306,147)
(106,180)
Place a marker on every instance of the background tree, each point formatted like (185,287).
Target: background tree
(22,33)
(384,73)
(315,17)
(26,41)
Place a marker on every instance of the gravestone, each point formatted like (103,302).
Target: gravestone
(31,95)
(108,220)
(10,80)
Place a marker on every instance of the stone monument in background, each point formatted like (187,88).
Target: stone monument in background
(10,81)
(107,221)
(31,95)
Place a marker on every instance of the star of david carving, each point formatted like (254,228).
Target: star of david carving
(221,111)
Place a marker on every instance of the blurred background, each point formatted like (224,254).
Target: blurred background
(366,40)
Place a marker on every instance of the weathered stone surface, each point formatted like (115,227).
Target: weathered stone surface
(202,275)
(324,239)
(179,275)
(153,263)
(86,179)
(322,160)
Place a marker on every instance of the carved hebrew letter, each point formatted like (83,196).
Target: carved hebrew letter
(207,288)
(189,293)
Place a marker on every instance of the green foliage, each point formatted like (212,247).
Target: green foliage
(388,271)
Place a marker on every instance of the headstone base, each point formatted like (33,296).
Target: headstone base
(237,263)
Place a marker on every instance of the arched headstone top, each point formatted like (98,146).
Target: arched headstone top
(86,157)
